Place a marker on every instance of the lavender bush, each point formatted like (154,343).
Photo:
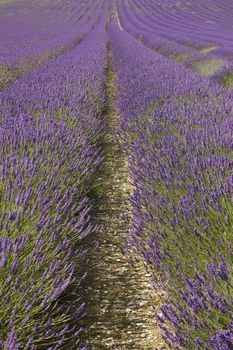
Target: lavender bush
(48,153)
(180,160)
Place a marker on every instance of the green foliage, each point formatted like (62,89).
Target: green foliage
(207,49)
(208,66)
(180,58)
(227,80)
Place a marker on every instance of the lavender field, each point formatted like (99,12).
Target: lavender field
(116,174)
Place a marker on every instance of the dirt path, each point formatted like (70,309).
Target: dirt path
(116,294)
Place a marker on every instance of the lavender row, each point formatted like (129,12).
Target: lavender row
(163,29)
(177,128)
(184,22)
(50,124)
(31,37)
